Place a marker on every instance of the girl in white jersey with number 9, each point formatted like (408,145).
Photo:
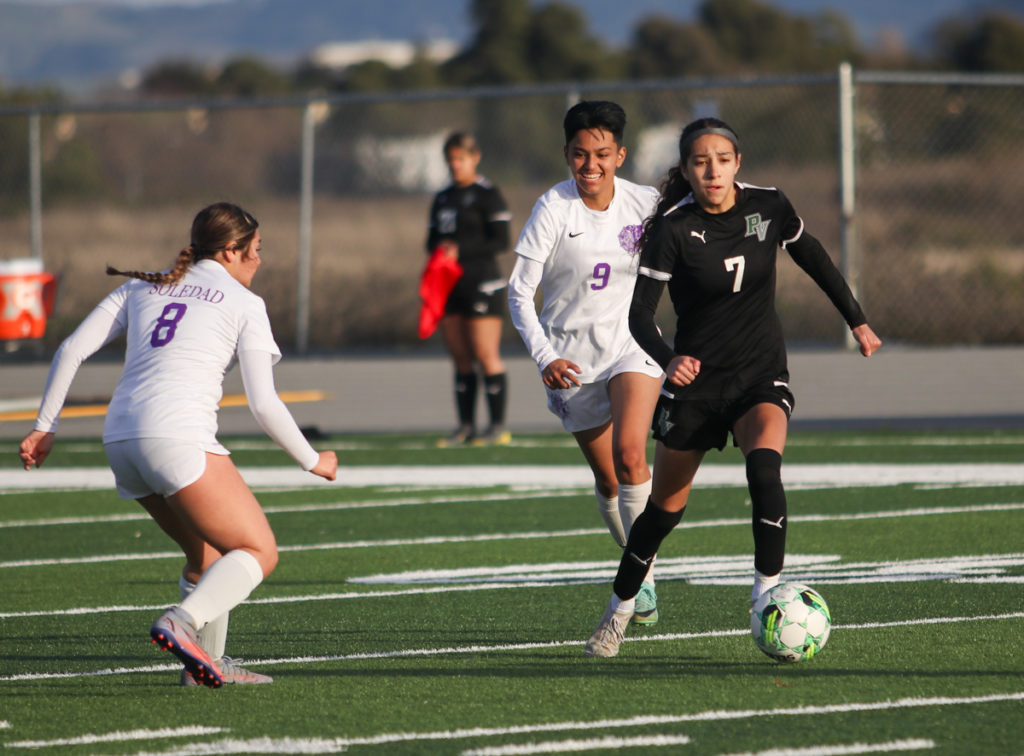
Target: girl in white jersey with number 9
(579,247)
(184,329)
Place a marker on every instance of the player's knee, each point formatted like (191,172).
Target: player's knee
(764,470)
(631,464)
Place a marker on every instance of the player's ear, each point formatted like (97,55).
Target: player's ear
(621,156)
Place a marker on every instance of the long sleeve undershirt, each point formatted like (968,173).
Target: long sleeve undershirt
(522,288)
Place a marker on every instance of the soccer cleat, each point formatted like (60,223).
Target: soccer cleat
(608,635)
(646,612)
(231,672)
(174,632)
(459,437)
(493,437)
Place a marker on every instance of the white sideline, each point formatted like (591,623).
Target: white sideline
(802,475)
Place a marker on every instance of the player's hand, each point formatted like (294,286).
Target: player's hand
(683,370)
(327,467)
(451,249)
(867,339)
(35,448)
(561,374)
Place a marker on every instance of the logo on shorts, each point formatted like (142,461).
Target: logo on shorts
(756,226)
(664,424)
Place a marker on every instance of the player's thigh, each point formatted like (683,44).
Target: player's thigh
(633,398)
(456,338)
(198,553)
(763,426)
(674,471)
(484,335)
(225,513)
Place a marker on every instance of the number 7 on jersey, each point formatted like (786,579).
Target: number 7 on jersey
(736,263)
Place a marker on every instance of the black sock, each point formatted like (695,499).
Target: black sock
(496,388)
(465,398)
(645,537)
(768,499)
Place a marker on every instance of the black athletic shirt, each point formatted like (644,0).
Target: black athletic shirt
(720,271)
(477,219)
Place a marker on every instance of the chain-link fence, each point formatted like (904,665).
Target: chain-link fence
(342,186)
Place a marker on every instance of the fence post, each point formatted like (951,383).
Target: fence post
(35,186)
(848,262)
(304,267)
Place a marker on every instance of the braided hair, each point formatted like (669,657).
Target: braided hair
(214,228)
(675,186)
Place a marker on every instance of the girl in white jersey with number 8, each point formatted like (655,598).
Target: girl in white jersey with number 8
(184,328)
(579,248)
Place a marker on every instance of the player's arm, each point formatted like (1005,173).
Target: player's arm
(646,294)
(99,328)
(522,288)
(275,419)
(810,255)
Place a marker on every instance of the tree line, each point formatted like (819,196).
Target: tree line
(519,42)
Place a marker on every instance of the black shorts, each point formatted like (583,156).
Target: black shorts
(705,423)
(477,299)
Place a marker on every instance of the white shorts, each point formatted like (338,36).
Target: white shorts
(145,466)
(589,405)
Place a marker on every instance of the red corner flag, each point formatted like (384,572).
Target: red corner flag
(438,279)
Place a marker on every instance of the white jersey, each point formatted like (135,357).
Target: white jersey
(590,267)
(181,340)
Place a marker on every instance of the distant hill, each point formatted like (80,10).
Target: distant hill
(77,44)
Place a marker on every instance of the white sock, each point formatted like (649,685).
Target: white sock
(226,584)
(609,509)
(213,637)
(632,502)
(623,606)
(762,584)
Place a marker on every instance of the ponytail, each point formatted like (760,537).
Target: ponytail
(215,228)
(673,189)
(182,263)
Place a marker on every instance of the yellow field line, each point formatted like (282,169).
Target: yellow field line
(231,400)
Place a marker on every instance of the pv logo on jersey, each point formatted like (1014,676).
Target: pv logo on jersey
(756,226)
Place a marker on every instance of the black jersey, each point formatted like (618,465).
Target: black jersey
(720,272)
(477,219)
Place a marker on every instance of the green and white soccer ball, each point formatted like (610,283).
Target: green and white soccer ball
(790,622)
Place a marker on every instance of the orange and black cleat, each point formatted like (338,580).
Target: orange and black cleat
(174,632)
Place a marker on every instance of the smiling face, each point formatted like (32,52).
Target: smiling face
(593,156)
(711,169)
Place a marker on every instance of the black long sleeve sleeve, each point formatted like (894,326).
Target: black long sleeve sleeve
(646,295)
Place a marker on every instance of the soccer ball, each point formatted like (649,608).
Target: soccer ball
(790,622)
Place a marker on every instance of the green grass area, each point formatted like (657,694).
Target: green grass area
(413,619)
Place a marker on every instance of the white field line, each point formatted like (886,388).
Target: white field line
(910,744)
(485,537)
(558,476)
(644,720)
(425,499)
(495,648)
(608,742)
(118,737)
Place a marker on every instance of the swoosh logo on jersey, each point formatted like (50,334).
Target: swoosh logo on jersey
(573,236)
(699,236)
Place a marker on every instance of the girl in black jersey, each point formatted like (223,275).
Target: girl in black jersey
(714,242)
(470,220)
